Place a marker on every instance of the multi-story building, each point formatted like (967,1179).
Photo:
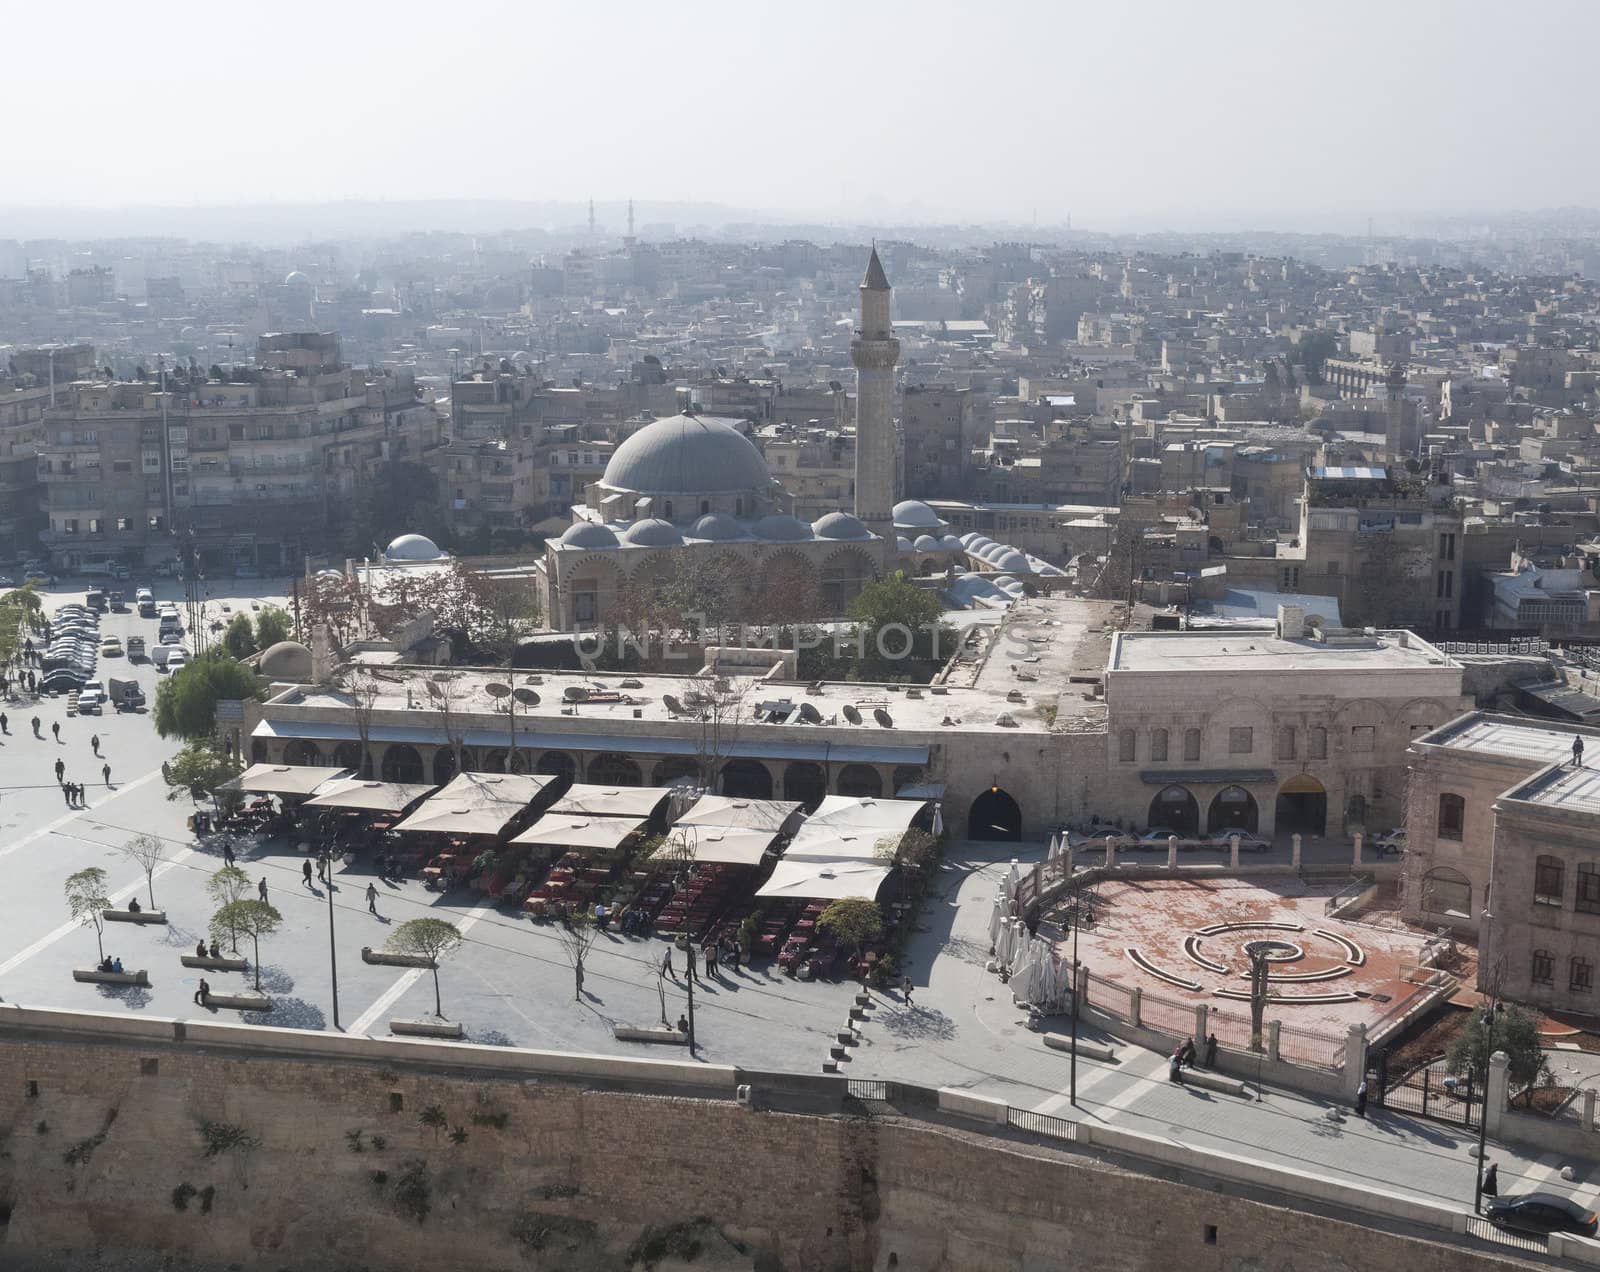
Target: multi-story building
(937,430)
(22,407)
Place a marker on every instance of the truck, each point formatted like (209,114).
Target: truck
(146,601)
(125,695)
(160,653)
(136,647)
(95,599)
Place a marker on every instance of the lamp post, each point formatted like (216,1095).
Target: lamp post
(333,948)
(1490,1010)
(1077,922)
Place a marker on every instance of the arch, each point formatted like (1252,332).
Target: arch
(843,575)
(494,760)
(748,779)
(786,589)
(302,751)
(557,764)
(258,750)
(1233,808)
(995,816)
(1448,892)
(806,782)
(1302,806)
(675,768)
(907,775)
(348,755)
(611,769)
(859,780)
(401,763)
(592,588)
(444,765)
(1175,808)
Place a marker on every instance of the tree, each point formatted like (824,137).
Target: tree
(362,687)
(914,849)
(87,902)
(431,939)
(240,637)
(272,625)
(186,702)
(198,765)
(1514,1030)
(228,885)
(147,852)
(396,498)
(1312,351)
(577,935)
(895,621)
(445,691)
(21,616)
(254,918)
(1260,991)
(852,920)
(720,705)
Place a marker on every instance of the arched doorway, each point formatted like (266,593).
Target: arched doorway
(444,765)
(401,763)
(747,779)
(805,782)
(557,764)
(994,815)
(860,781)
(258,750)
(611,769)
(674,768)
(494,761)
(301,751)
(348,755)
(1175,809)
(1232,808)
(1302,806)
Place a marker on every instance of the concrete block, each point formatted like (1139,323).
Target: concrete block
(1210,1081)
(240,1002)
(830,1066)
(140,977)
(426,1028)
(863,1000)
(966,1104)
(369,955)
(1086,1047)
(134,916)
(216,964)
(836,1051)
(629,1033)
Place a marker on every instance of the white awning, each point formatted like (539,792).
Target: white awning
(598,834)
(475,804)
(844,845)
(371,797)
(922,790)
(725,845)
(283,779)
(582,799)
(838,811)
(824,881)
(742,814)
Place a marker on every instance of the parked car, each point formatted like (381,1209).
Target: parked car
(7,581)
(177,660)
(62,680)
(1540,1214)
(1155,839)
(41,577)
(91,698)
(1391,843)
(168,569)
(1249,841)
(110,647)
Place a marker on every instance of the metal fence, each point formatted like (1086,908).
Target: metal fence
(1310,1047)
(1167,1015)
(1486,1231)
(1109,996)
(1045,1124)
(1528,645)
(1230,1030)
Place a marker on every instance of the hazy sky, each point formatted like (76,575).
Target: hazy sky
(1173,110)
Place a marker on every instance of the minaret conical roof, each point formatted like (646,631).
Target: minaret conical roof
(875,279)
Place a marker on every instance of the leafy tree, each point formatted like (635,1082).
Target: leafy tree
(896,621)
(1312,351)
(254,918)
(852,920)
(577,935)
(228,885)
(240,637)
(272,625)
(21,616)
(396,498)
(87,901)
(186,702)
(147,852)
(1514,1030)
(198,765)
(432,939)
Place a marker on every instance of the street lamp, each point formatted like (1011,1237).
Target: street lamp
(1077,922)
(333,948)
(1490,1011)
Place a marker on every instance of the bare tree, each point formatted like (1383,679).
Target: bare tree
(719,702)
(445,689)
(363,687)
(147,852)
(577,936)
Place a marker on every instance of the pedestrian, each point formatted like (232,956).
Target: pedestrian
(683,1024)
(1186,1053)
(1577,752)
(66,794)
(666,964)
(77,794)
(1491,1180)
(61,769)
(199,949)
(688,963)
(305,870)
(709,955)
(322,867)
(372,898)
(5,724)
(105,772)
(94,743)
(55,728)
(201,994)
(227,852)
(1361,1099)
(1211,1052)
(213,950)
(905,989)
(36,732)
(261,888)
(1175,1068)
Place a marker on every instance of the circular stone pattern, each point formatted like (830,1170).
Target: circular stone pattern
(1274,951)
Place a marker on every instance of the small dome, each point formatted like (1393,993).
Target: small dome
(913,514)
(717,525)
(296,279)
(1012,561)
(652,532)
(413,547)
(839,525)
(781,528)
(926,543)
(950,543)
(902,543)
(587,534)
(971,537)
(288,660)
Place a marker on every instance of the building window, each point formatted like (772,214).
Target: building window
(1125,746)
(1548,876)
(1286,743)
(1241,740)
(1191,744)
(1447,547)
(1580,974)
(1588,899)
(1362,737)
(1452,816)
(1319,744)
(1158,744)
(1544,968)
(1446,891)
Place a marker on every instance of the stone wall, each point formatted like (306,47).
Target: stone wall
(100,1130)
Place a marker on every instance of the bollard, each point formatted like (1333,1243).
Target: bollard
(1294,860)
(1172,852)
(1356,861)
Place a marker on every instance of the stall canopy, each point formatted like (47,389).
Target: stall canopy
(283,779)
(368,797)
(824,881)
(475,804)
(724,845)
(741,814)
(838,812)
(598,834)
(611,801)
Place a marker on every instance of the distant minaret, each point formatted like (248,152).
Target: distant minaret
(630,240)
(1394,431)
(875,351)
(591,218)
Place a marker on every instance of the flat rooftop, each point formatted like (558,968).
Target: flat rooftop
(1569,789)
(1513,738)
(1255,652)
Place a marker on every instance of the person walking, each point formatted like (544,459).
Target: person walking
(36,732)
(708,955)
(322,866)
(688,964)
(305,871)
(1577,752)
(94,743)
(55,728)
(1491,1180)
(227,852)
(372,898)
(105,772)
(204,992)
(1361,1099)
(666,964)
(61,769)
(66,793)
(5,723)
(261,888)
(905,989)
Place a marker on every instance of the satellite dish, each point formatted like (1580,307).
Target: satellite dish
(527,697)
(495,690)
(575,693)
(673,705)
(851,714)
(883,717)
(810,714)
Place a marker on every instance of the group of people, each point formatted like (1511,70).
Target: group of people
(1183,1057)
(725,951)
(109,964)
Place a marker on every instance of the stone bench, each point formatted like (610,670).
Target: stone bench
(426,1028)
(370,955)
(134,916)
(1086,1047)
(216,964)
(632,1033)
(140,977)
(1209,1080)
(241,1002)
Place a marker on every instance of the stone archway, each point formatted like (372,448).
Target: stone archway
(994,816)
(861,781)
(843,576)
(747,779)
(258,750)
(348,755)
(673,769)
(302,751)
(1175,809)
(805,782)
(402,763)
(557,764)
(1233,808)
(1302,806)
(611,769)
(444,766)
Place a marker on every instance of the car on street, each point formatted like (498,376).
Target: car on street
(40,577)
(1154,839)
(1391,843)
(110,647)
(91,698)
(1540,1214)
(177,660)
(1249,841)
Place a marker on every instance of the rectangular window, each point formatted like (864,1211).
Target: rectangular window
(1362,737)
(1241,740)
(1319,744)
(1158,744)
(122,466)
(1588,899)
(1544,967)
(1286,743)
(1191,744)
(1125,746)
(1447,547)
(1548,878)
(1581,975)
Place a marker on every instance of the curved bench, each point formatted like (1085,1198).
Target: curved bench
(1145,964)
(1290,978)
(1353,953)
(1191,950)
(1216,928)
(1289,1000)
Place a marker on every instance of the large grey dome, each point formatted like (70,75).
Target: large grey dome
(782,528)
(913,514)
(840,525)
(653,532)
(586,534)
(687,455)
(288,660)
(413,547)
(717,525)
